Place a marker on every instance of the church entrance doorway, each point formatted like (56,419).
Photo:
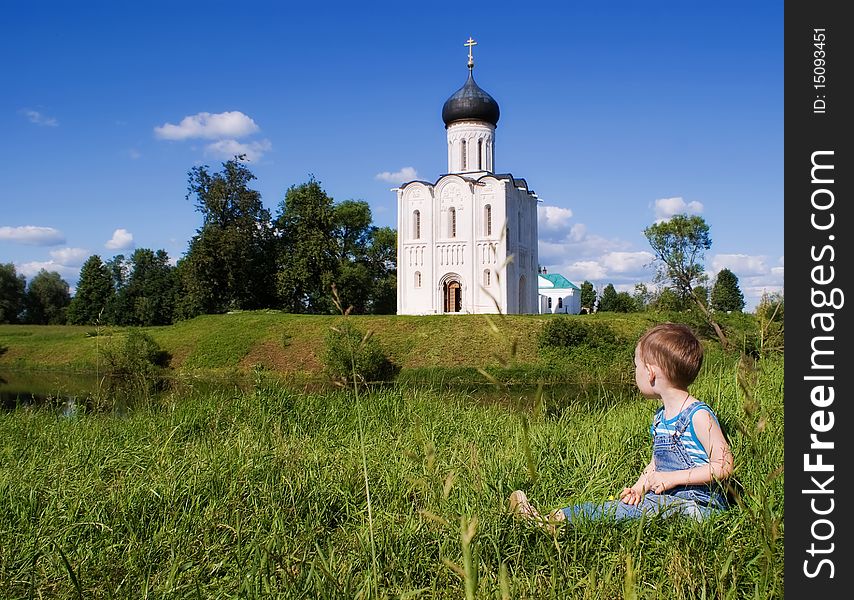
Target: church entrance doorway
(453,296)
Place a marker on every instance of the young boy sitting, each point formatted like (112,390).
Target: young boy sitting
(690,454)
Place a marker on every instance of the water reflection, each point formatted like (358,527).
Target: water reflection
(71,394)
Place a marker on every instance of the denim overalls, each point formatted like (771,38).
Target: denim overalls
(669,453)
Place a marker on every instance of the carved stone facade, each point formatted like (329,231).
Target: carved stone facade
(468,242)
(463,229)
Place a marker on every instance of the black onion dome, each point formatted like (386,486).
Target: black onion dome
(470,103)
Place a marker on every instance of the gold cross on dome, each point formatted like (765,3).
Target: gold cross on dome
(470,43)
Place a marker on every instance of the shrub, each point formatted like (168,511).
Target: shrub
(564,333)
(349,355)
(138,355)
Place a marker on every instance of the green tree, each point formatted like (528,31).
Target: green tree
(351,228)
(382,261)
(47,299)
(642,296)
(613,301)
(679,246)
(701,293)
(608,300)
(666,300)
(117,311)
(308,255)
(12,293)
(229,263)
(149,293)
(94,291)
(351,231)
(625,303)
(588,296)
(366,273)
(726,295)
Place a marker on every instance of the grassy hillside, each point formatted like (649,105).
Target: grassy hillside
(400,493)
(293,344)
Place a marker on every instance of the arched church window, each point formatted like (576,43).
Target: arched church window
(550,302)
(480,155)
(452,222)
(487,219)
(560,302)
(416,224)
(487,278)
(464,162)
(418,279)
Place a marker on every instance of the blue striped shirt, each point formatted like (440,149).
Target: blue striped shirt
(689,439)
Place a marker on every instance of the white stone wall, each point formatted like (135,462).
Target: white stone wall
(435,255)
(569,298)
(479,138)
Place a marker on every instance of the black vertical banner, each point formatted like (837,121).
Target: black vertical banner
(819,420)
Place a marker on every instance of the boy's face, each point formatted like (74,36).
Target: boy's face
(644,376)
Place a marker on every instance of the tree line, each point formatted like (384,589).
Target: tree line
(242,257)
(724,296)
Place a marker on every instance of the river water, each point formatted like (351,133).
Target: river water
(68,393)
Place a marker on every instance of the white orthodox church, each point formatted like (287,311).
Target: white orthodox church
(468,242)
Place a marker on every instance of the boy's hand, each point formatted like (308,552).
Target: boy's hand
(659,482)
(632,495)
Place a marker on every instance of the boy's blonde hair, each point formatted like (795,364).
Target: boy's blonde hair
(675,349)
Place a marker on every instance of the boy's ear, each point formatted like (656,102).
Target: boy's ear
(650,369)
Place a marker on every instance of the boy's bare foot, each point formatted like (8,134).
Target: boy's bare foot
(557,516)
(523,509)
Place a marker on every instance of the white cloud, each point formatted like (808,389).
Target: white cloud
(577,232)
(550,252)
(70,257)
(553,217)
(584,269)
(31,269)
(405,174)
(667,207)
(134,154)
(38,118)
(742,265)
(626,262)
(122,240)
(578,244)
(32,235)
(228,149)
(230,124)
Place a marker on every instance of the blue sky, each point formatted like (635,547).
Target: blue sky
(616,113)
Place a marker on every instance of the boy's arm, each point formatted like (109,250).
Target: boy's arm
(634,494)
(720,458)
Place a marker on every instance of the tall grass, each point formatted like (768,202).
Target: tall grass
(264,493)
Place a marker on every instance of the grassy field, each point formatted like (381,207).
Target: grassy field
(395,493)
(271,491)
(293,344)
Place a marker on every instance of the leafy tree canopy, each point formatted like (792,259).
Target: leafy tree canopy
(94,291)
(229,264)
(613,301)
(12,293)
(148,297)
(726,295)
(47,299)
(679,246)
(588,296)
(308,250)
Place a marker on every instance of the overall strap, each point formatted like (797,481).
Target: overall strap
(684,419)
(656,419)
